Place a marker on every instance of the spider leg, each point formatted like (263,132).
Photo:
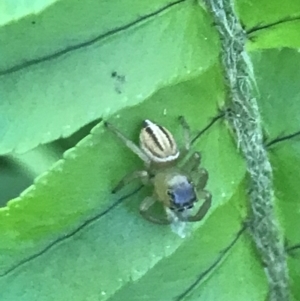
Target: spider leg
(132,146)
(145,207)
(202,179)
(138,174)
(186,134)
(200,184)
(192,163)
(204,207)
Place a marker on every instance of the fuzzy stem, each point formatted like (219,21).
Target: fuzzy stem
(245,119)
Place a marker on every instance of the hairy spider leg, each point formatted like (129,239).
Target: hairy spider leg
(186,133)
(132,146)
(145,211)
(204,207)
(202,194)
(137,174)
(192,163)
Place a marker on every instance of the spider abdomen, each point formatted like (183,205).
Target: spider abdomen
(158,143)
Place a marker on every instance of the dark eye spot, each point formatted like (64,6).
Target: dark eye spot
(151,175)
(170,194)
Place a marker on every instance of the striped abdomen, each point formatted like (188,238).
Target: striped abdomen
(158,143)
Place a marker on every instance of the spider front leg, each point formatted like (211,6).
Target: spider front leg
(138,174)
(132,146)
(192,163)
(145,211)
(186,134)
(202,179)
(204,207)
(202,194)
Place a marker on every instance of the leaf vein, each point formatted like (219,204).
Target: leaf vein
(90,42)
(70,234)
(224,252)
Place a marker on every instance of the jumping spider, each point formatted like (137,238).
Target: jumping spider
(177,184)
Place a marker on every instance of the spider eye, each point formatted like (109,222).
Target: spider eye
(170,194)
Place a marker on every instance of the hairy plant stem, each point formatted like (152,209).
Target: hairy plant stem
(245,119)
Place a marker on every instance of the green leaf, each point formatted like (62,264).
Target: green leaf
(42,231)
(92,70)
(13,181)
(278,73)
(286,34)
(11,10)
(67,237)
(271,24)
(202,267)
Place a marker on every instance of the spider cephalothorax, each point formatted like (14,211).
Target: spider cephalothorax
(177,185)
(182,193)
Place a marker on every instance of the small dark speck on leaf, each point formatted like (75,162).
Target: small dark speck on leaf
(119,81)
(118,90)
(33,22)
(118,77)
